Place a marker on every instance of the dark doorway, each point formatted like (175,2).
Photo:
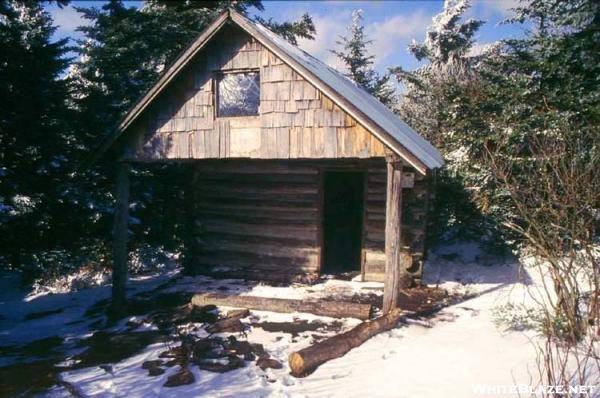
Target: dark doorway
(342,221)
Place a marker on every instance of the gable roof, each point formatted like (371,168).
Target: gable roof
(366,109)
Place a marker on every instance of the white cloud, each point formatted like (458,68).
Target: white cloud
(329,29)
(389,36)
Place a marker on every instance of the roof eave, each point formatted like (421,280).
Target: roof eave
(331,93)
(183,59)
(170,72)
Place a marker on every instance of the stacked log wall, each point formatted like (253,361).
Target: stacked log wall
(257,220)
(262,220)
(295,121)
(414,222)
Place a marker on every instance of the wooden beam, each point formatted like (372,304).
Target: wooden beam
(395,278)
(120,237)
(336,309)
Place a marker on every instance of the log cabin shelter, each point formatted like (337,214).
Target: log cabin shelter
(296,170)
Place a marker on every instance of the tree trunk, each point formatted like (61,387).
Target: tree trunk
(395,273)
(120,237)
(335,309)
(308,359)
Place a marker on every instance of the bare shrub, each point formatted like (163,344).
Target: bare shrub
(553,186)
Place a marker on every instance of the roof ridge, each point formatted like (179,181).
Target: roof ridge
(347,94)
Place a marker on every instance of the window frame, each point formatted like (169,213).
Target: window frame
(217,75)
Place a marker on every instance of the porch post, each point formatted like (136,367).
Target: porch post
(394,278)
(120,232)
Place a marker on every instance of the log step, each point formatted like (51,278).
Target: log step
(335,309)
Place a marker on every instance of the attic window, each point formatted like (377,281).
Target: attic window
(238,94)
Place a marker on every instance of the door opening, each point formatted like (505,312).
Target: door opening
(342,221)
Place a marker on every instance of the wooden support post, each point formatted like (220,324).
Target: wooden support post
(120,232)
(394,278)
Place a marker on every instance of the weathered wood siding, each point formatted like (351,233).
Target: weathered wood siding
(295,120)
(374,223)
(414,221)
(257,220)
(262,219)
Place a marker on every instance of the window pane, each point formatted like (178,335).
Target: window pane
(239,94)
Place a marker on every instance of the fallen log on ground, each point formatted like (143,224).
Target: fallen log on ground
(335,309)
(308,359)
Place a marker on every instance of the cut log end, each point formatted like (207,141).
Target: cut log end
(296,362)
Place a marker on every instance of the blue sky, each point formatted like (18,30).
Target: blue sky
(392,25)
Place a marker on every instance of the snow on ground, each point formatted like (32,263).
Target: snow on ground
(449,354)
(16,303)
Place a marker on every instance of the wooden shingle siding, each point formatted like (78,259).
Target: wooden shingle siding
(295,120)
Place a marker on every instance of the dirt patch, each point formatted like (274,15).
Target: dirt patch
(166,318)
(421,299)
(101,349)
(26,379)
(140,304)
(43,314)
(424,300)
(375,300)
(38,348)
(298,326)
(343,276)
(104,347)
(42,347)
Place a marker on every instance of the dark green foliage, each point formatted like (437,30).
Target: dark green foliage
(291,31)
(38,196)
(51,218)
(500,116)
(359,63)
(545,144)
(444,100)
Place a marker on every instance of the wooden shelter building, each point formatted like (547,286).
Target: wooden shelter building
(296,170)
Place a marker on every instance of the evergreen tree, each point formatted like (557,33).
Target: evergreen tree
(291,31)
(429,101)
(544,155)
(124,51)
(544,88)
(359,63)
(442,101)
(36,141)
(126,48)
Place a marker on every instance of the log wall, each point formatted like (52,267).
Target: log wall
(256,217)
(414,222)
(295,119)
(257,220)
(262,219)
